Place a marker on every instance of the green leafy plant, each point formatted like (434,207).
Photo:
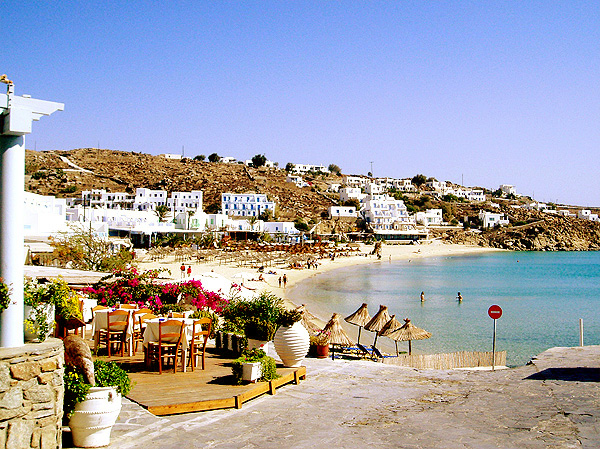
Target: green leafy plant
(265,307)
(321,339)
(258,329)
(214,318)
(269,368)
(4,296)
(287,318)
(107,374)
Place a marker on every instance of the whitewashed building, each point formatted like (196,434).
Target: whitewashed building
(587,214)
(438,186)
(245,204)
(296,179)
(347,193)
(185,201)
(171,156)
(148,199)
(508,189)
(342,211)
(110,200)
(305,168)
(43,215)
(492,219)
(383,212)
(430,217)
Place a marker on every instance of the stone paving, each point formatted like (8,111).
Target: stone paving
(552,403)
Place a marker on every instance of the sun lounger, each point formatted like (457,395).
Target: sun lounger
(365,352)
(379,355)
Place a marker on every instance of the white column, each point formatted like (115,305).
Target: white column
(12,180)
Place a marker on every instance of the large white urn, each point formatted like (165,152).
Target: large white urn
(93,418)
(292,343)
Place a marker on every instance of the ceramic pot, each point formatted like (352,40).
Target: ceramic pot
(322,351)
(251,372)
(94,417)
(291,344)
(30,314)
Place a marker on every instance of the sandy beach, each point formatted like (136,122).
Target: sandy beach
(294,276)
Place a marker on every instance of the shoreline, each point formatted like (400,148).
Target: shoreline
(389,253)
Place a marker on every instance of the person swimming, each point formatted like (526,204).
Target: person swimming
(459,297)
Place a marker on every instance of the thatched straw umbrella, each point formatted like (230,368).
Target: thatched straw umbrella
(308,320)
(390,327)
(409,332)
(360,318)
(378,321)
(337,334)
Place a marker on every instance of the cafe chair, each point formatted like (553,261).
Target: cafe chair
(115,332)
(138,329)
(168,346)
(201,329)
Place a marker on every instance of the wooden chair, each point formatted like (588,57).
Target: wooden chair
(128,306)
(168,345)
(116,331)
(96,308)
(176,315)
(199,338)
(138,330)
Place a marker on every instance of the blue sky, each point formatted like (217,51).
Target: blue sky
(489,92)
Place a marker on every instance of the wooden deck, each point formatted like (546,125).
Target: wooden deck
(210,389)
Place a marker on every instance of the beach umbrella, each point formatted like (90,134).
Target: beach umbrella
(309,320)
(337,334)
(359,318)
(378,321)
(389,327)
(408,332)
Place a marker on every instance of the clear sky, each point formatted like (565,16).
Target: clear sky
(492,92)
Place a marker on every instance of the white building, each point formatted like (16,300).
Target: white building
(492,219)
(438,186)
(296,179)
(185,201)
(305,168)
(383,212)
(245,204)
(171,156)
(110,200)
(347,193)
(268,163)
(476,195)
(586,214)
(148,199)
(342,211)
(44,215)
(374,189)
(356,181)
(429,217)
(333,187)
(508,189)
(228,160)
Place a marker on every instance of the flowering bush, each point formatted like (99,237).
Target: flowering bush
(131,286)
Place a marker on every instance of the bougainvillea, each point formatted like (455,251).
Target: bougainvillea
(142,288)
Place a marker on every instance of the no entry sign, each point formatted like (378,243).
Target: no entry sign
(495,312)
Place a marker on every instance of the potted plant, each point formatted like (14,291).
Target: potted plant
(39,311)
(259,333)
(4,296)
(93,410)
(321,344)
(252,366)
(291,339)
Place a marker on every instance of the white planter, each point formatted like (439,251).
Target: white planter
(30,314)
(291,344)
(95,416)
(251,372)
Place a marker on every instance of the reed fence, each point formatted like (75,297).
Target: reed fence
(462,359)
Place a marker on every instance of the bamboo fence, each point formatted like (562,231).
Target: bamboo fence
(462,359)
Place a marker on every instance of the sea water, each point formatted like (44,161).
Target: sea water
(543,295)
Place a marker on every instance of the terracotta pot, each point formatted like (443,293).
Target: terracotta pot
(322,351)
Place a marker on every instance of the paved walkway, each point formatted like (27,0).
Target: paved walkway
(552,403)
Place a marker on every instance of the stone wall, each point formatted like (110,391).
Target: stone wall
(31,395)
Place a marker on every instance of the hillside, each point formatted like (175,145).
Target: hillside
(119,171)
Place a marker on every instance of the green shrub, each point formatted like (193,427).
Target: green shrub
(269,368)
(289,317)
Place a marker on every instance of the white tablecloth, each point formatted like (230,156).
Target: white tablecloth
(100,321)
(151,332)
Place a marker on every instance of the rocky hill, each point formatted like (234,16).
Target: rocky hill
(118,171)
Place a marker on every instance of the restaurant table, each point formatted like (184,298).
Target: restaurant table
(151,334)
(100,321)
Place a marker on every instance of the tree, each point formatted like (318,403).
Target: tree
(300,225)
(252,219)
(84,250)
(266,215)
(370,175)
(289,167)
(259,160)
(419,180)
(214,157)
(335,169)
(200,157)
(352,202)
(162,212)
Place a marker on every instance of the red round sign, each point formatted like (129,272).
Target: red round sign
(495,312)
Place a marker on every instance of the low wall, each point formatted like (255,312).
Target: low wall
(462,359)
(31,395)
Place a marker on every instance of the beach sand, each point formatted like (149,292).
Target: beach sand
(294,276)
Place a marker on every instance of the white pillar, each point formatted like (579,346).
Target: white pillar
(12,180)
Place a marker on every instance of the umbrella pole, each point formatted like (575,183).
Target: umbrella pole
(375,341)
(359,329)
(409,348)
(332,352)
(397,353)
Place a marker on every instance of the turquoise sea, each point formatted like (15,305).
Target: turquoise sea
(542,295)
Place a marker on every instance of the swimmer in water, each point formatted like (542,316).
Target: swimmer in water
(422,296)
(459,297)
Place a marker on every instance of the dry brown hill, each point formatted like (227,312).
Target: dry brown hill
(119,171)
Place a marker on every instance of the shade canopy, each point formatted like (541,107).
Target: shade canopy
(390,326)
(337,334)
(408,332)
(379,320)
(361,317)
(308,320)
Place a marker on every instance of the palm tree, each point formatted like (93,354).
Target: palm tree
(162,212)
(252,219)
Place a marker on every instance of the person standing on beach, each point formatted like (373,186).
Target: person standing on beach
(422,296)
(279,281)
(284,280)
(459,297)
(189,271)
(182,271)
